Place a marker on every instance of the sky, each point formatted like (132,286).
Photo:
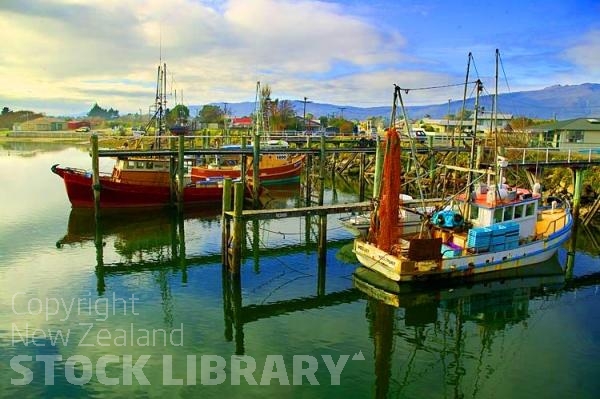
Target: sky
(60,57)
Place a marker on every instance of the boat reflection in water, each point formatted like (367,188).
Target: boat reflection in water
(444,323)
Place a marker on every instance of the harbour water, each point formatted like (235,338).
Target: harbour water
(139,306)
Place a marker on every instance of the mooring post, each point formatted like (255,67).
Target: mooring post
(172,174)
(244,159)
(227,308)
(238,228)
(361,177)
(322,244)
(99,244)
(577,190)
(236,312)
(255,168)
(95,175)
(322,255)
(322,172)
(378,167)
(180,173)
(225,225)
(571,251)
(480,155)
(308,174)
(256,245)
(181,238)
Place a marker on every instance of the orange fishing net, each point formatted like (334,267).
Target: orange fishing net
(387,234)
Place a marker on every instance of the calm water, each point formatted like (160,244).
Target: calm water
(520,337)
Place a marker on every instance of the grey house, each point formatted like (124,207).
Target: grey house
(571,133)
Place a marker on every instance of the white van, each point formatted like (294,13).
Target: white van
(418,134)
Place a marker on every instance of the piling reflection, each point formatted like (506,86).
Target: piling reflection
(438,320)
(405,321)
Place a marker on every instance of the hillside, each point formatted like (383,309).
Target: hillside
(560,102)
(9,119)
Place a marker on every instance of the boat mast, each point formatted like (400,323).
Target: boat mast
(160,103)
(413,149)
(472,163)
(494,122)
(462,112)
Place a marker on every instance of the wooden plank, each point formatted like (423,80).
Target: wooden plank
(282,213)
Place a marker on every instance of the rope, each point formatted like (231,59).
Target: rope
(406,90)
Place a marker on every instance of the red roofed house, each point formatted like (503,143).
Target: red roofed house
(245,122)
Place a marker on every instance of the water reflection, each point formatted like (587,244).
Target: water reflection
(407,321)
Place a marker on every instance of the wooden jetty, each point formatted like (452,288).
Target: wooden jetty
(322,154)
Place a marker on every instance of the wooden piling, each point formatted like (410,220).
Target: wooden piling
(95,175)
(243,161)
(99,244)
(255,169)
(256,245)
(577,190)
(378,167)
(308,174)
(181,242)
(322,160)
(172,176)
(225,225)
(180,172)
(322,244)
(571,251)
(238,228)
(361,177)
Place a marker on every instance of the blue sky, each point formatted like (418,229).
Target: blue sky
(62,56)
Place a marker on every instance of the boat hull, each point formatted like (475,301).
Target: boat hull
(401,269)
(269,175)
(115,194)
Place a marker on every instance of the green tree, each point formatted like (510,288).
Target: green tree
(324,121)
(283,116)
(99,112)
(211,114)
(5,110)
(280,113)
(180,112)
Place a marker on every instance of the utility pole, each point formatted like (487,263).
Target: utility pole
(448,117)
(304,117)
(342,112)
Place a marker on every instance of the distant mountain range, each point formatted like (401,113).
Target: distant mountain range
(554,102)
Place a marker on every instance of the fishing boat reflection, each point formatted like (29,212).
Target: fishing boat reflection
(133,230)
(423,326)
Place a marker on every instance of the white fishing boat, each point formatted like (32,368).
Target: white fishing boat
(490,227)
(410,215)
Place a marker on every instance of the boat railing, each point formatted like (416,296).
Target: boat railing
(86,172)
(571,154)
(557,224)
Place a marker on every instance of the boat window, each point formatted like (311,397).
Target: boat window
(508,213)
(530,209)
(139,165)
(474,212)
(149,165)
(130,164)
(498,215)
(519,211)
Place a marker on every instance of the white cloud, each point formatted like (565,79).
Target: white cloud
(79,52)
(586,54)
(108,51)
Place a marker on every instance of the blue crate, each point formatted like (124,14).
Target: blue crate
(497,247)
(512,244)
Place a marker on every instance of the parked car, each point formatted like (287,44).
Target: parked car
(417,134)
(82,129)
